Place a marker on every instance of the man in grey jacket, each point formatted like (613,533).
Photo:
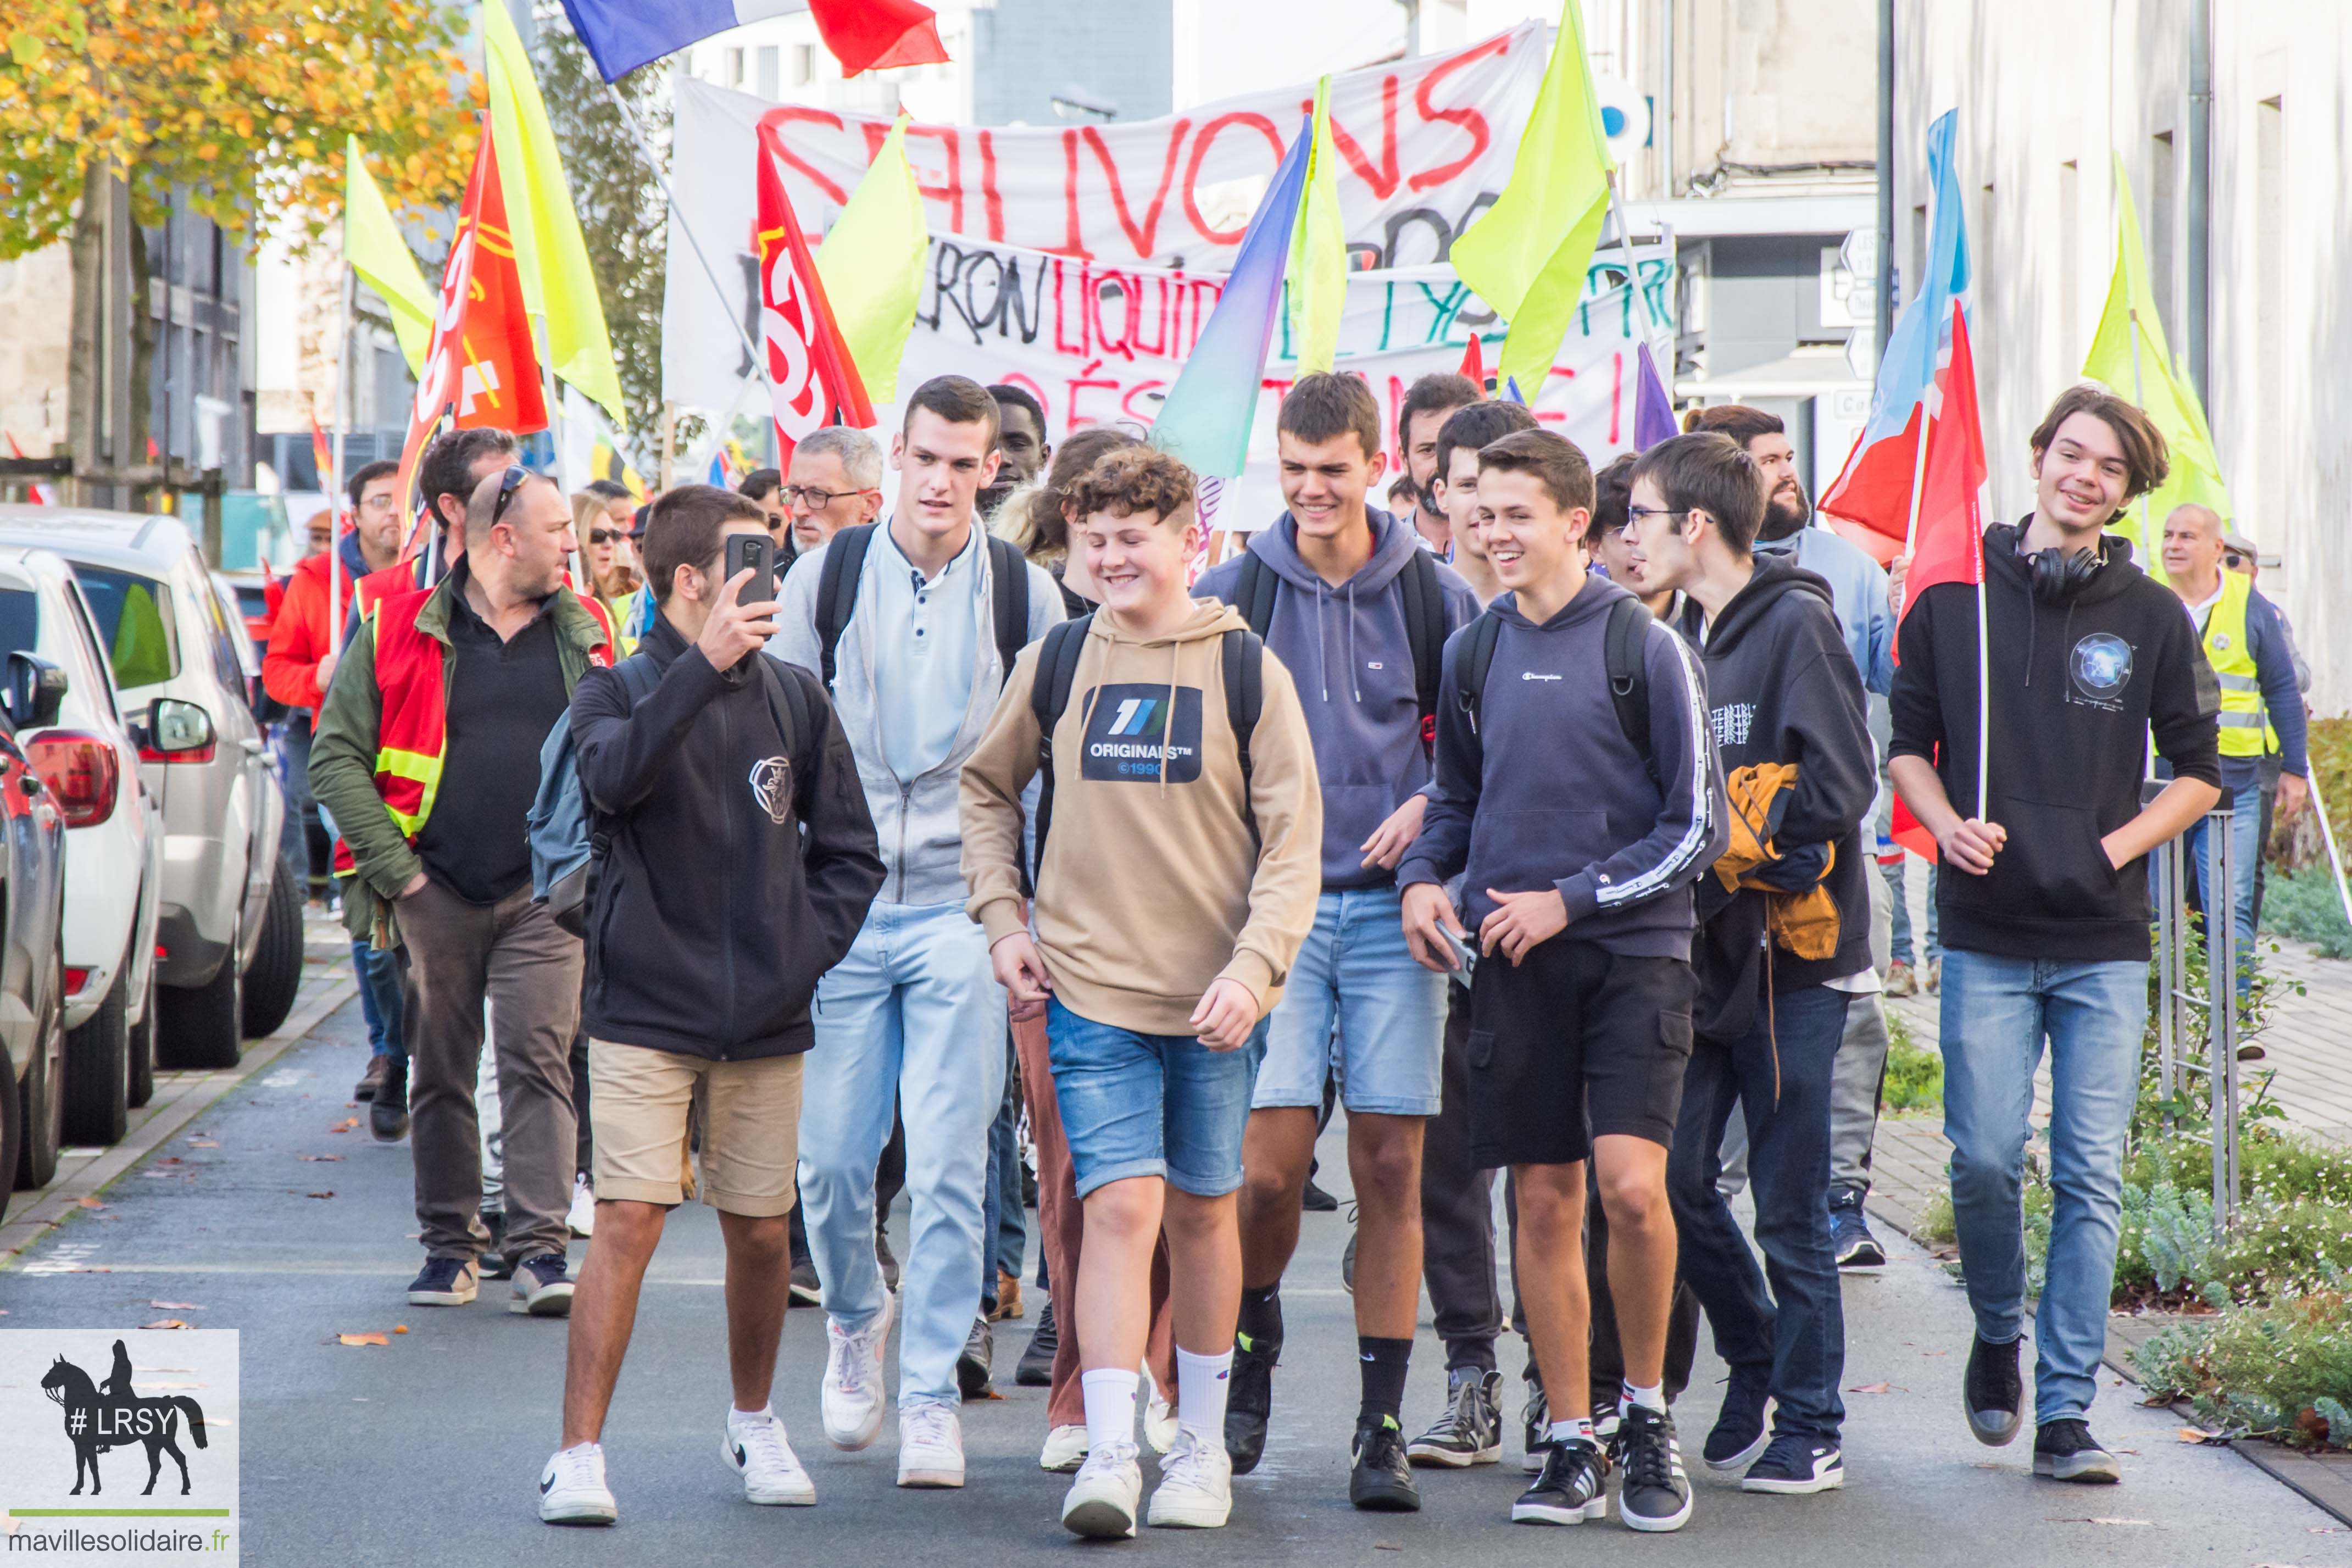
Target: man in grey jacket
(913,1015)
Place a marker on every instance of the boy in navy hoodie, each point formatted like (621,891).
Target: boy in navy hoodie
(1578,824)
(1346,597)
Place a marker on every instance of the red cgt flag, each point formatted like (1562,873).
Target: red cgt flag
(480,359)
(812,379)
(877,35)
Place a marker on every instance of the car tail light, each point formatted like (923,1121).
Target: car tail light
(81,771)
(76,979)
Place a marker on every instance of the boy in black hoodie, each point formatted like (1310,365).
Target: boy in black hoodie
(2045,912)
(1784,940)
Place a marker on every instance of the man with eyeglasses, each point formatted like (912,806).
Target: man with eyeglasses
(428,757)
(833,481)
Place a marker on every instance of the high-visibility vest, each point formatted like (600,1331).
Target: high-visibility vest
(2245,725)
(413,729)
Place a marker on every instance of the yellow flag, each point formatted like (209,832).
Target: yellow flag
(1318,249)
(373,245)
(557,283)
(2129,354)
(1527,254)
(872,266)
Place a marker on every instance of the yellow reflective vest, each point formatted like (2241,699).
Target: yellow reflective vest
(2245,726)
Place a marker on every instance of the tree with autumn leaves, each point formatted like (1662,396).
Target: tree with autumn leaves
(242,106)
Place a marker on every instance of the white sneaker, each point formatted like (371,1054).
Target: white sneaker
(851,1397)
(572,1488)
(1196,1485)
(1159,1417)
(931,1445)
(1065,1451)
(581,1220)
(1102,1502)
(754,1448)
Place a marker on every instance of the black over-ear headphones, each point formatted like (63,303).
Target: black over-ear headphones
(2060,574)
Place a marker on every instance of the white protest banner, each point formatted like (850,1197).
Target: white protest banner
(1424,144)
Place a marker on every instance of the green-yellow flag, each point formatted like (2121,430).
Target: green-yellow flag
(557,284)
(2129,354)
(872,266)
(373,245)
(1318,249)
(1527,254)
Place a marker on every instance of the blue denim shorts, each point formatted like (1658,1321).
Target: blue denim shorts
(1151,1105)
(1356,999)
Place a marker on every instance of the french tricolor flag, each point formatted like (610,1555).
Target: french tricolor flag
(863,35)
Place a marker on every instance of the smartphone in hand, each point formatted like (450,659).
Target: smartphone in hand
(1465,956)
(756,552)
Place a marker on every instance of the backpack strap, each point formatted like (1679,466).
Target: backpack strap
(1470,669)
(837,590)
(1254,592)
(1049,698)
(1627,643)
(788,704)
(1242,664)
(1424,630)
(1008,569)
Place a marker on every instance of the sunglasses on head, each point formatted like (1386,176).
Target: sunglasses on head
(508,482)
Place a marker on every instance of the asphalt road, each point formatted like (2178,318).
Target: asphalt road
(429,1449)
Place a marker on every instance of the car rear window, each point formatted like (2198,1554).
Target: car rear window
(20,621)
(134,617)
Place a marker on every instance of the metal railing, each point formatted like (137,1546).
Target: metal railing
(2180,1032)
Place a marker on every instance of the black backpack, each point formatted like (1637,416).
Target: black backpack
(1242,655)
(1629,678)
(836,594)
(1425,624)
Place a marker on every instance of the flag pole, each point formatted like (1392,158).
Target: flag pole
(645,149)
(342,419)
(1632,278)
(2327,837)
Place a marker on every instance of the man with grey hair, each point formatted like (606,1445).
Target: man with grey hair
(834,481)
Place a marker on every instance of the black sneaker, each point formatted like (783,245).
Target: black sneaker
(1796,1464)
(1035,1369)
(541,1286)
(494,1261)
(1737,1436)
(978,1361)
(2065,1451)
(1572,1489)
(388,1107)
(1381,1481)
(1994,1394)
(1317,1201)
(444,1282)
(1657,1493)
(806,1289)
(1535,1419)
(1850,1238)
(1471,1430)
(1249,1400)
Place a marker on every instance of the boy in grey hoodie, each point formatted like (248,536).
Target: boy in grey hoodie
(1352,605)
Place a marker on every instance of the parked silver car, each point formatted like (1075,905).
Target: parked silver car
(180,664)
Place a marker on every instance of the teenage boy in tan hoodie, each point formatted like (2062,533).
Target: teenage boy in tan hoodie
(1179,861)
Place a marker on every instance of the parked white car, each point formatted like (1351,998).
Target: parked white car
(114,842)
(230,928)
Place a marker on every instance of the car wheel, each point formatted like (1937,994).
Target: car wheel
(97,1069)
(201,1026)
(143,1051)
(41,1104)
(276,973)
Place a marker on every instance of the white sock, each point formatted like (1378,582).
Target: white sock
(1201,1384)
(589,1448)
(1654,1398)
(1576,1428)
(737,1417)
(1111,1405)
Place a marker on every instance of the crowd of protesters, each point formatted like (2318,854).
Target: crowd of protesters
(1530,821)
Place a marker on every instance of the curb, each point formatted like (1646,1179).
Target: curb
(52,1206)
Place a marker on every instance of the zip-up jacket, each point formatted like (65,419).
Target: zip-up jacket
(737,868)
(914,819)
(2077,686)
(298,636)
(1348,650)
(1550,791)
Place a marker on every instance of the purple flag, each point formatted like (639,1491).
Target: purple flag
(1654,411)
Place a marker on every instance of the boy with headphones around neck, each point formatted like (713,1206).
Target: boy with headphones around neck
(2045,917)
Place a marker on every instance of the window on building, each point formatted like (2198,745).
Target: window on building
(770,84)
(803,64)
(2162,222)
(734,67)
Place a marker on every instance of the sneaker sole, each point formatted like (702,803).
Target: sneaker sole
(1385,1497)
(1742,1459)
(464,1298)
(1069,1467)
(930,1481)
(1793,1487)
(555,1302)
(1553,1513)
(1430,1456)
(801,1496)
(804,1297)
(1188,1515)
(1863,1258)
(1098,1518)
(578,1514)
(1026,1376)
(1650,1524)
(1993,1434)
(861,1437)
(1531,1462)
(2082,1468)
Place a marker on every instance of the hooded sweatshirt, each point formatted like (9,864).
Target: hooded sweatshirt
(1152,886)
(1784,688)
(1348,650)
(2077,685)
(1550,793)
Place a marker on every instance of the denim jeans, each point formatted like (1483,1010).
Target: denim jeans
(912,1014)
(1355,977)
(1899,917)
(1997,1013)
(379,975)
(2246,858)
(1002,1227)
(1779,1077)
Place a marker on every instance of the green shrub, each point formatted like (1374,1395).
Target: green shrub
(1915,1078)
(2303,905)
(2282,1370)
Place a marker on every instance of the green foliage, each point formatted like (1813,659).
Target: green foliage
(2282,1369)
(1915,1078)
(2304,905)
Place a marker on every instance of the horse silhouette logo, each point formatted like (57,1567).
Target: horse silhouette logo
(113,1416)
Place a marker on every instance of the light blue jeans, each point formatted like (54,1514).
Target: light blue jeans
(1996,1012)
(912,1012)
(2246,858)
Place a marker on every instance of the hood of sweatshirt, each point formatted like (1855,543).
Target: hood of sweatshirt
(1776,575)
(2118,571)
(1393,543)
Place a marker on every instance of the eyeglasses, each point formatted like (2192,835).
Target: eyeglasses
(792,495)
(384,502)
(1634,514)
(508,482)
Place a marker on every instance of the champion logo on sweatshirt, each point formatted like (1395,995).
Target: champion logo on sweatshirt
(1536,674)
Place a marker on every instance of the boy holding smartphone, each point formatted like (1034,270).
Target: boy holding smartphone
(1179,859)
